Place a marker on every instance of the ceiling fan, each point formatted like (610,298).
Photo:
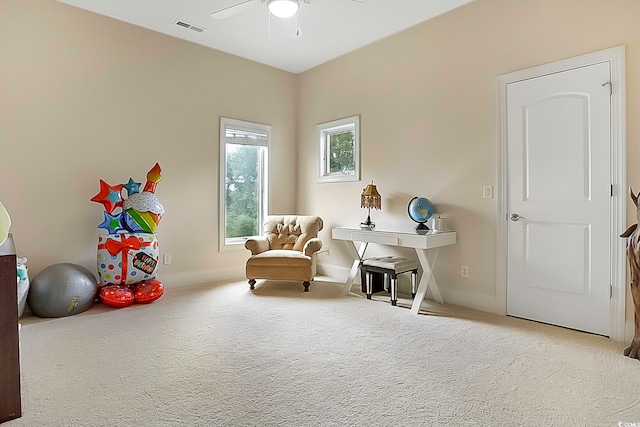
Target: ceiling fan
(279,8)
(282,9)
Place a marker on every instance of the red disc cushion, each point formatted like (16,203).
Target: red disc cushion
(116,296)
(148,291)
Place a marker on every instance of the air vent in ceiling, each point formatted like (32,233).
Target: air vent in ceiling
(190,27)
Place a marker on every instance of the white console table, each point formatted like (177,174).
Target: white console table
(426,246)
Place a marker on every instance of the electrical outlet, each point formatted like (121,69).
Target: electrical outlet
(166,259)
(328,250)
(464,271)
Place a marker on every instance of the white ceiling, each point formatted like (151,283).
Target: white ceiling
(329,28)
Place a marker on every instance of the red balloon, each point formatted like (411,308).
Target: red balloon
(110,196)
(147,291)
(117,296)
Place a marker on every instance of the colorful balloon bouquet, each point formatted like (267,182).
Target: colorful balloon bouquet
(128,254)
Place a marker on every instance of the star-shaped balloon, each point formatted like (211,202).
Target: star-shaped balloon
(132,187)
(109,196)
(112,223)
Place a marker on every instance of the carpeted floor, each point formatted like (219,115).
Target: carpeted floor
(221,355)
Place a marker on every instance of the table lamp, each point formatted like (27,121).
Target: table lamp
(370,198)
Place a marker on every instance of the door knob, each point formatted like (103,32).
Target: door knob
(515,217)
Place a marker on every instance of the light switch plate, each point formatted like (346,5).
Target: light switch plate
(487,191)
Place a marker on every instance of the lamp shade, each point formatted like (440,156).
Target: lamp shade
(370,198)
(283,8)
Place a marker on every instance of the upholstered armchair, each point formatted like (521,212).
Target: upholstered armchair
(286,250)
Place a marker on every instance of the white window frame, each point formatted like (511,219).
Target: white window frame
(241,125)
(325,130)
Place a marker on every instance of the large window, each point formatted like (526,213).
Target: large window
(243,180)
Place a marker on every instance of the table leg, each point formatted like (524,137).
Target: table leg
(356,253)
(427,280)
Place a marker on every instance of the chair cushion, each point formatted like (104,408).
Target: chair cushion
(281,258)
(397,264)
(291,231)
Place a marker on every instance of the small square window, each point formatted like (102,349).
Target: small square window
(339,150)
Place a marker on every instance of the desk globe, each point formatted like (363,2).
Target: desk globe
(421,210)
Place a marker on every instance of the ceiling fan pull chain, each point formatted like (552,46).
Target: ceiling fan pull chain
(269,27)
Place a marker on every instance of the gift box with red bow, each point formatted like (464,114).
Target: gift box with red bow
(127,258)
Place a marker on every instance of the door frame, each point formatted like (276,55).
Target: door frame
(616,58)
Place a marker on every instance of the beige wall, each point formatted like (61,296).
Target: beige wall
(84,97)
(428,104)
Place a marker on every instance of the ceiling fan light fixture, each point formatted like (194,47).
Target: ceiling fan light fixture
(283,8)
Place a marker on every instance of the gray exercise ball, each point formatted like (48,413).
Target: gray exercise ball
(62,290)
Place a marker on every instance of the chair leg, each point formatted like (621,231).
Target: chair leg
(368,284)
(394,289)
(306,286)
(414,283)
(252,283)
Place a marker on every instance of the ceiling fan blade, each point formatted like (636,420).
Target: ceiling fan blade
(232,10)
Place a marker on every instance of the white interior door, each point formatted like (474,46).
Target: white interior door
(559,198)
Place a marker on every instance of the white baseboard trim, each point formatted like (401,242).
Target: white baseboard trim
(178,280)
(472,300)
(336,272)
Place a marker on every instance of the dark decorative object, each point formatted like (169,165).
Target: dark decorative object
(633,254)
